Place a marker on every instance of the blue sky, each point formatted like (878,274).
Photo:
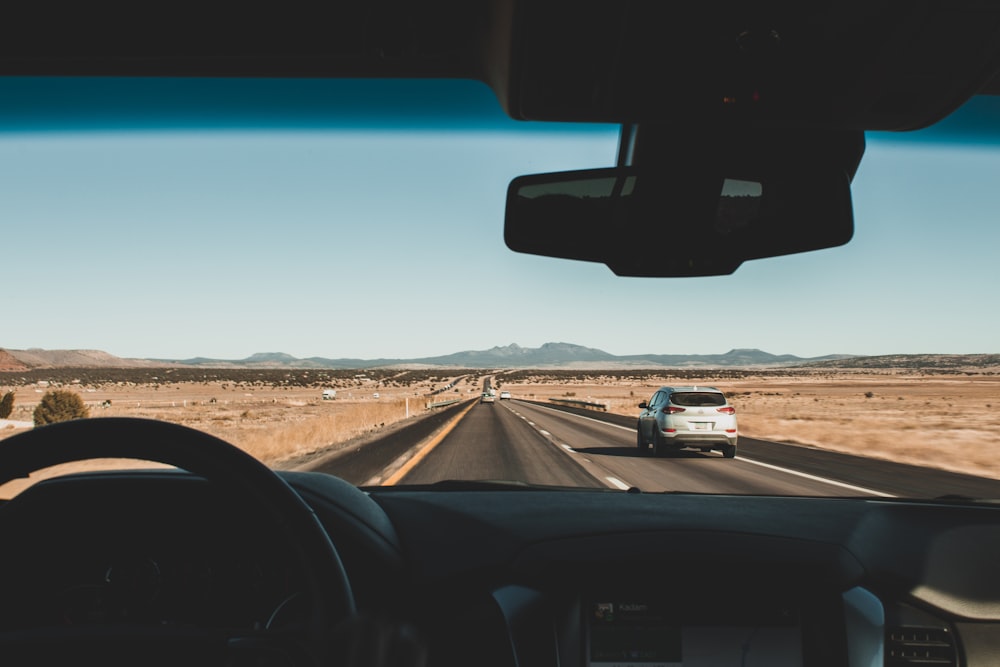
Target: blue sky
(344,236)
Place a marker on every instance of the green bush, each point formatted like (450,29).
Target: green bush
(6,405)
(60,406)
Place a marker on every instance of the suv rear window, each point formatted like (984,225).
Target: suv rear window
(694,399)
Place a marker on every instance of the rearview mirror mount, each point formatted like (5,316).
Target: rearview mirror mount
(698,215)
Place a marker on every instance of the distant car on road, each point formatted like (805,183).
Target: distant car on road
(487,397)
(678,417)
(504,395)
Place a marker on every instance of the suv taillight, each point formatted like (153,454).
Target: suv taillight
(728,410)
(671,409)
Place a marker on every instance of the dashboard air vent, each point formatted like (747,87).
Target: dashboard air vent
(910,645)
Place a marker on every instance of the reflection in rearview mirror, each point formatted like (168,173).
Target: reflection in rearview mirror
(584,188)
(739,204)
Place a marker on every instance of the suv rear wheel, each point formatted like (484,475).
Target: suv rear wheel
(640,442)
(729,451)
(659,447)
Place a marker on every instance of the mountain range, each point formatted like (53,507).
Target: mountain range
(549,355)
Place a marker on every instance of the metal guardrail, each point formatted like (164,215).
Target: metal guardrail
(441,404)
(583,404)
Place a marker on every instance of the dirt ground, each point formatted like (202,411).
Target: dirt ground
(947,421)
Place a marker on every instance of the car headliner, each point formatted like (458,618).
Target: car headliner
(850,64)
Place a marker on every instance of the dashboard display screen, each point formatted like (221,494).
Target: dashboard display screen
(644,634)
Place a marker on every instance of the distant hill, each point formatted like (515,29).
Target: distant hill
(916,361)
(10,363)
(22,360)
(549,355)
(740,357)
(282,360)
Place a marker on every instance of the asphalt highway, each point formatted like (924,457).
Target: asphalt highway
(492,443)
(519,441)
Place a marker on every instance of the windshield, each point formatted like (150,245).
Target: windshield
(323,281)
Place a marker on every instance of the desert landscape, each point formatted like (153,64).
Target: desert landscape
(934,417)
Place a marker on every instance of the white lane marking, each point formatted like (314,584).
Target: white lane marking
(613,481)
(817,478)
(617,482)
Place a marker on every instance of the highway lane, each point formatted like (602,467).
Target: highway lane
(492,443)
(519,441)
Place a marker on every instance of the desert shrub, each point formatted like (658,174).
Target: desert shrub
(6,405)
(59,406)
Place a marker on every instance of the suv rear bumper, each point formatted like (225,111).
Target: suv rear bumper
(680,439)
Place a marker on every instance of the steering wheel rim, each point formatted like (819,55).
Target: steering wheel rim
(329,591)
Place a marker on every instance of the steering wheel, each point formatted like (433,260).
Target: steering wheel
(330,598)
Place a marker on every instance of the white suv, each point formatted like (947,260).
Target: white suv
(677,417)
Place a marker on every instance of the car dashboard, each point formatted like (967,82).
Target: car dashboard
(534,576)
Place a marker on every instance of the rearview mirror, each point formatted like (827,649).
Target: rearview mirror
(703,219)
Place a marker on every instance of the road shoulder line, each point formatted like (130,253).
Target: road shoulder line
(817,478)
